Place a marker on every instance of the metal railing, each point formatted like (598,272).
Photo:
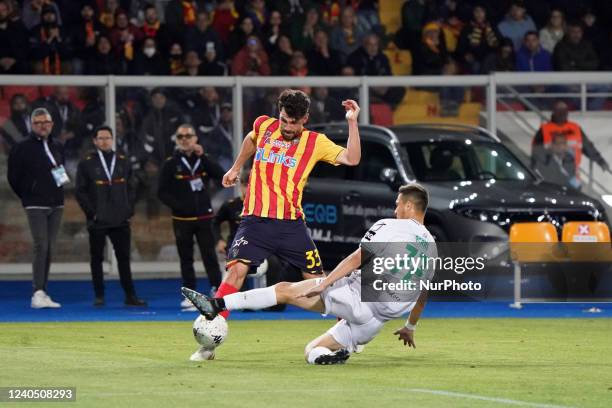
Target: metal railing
(492,83)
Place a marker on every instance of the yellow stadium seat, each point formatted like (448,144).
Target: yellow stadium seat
(400,60)
(469,113)
(470,109)
(592,231)
(389,14)
(413,96)
(414,113)
(587,241)
(533,241)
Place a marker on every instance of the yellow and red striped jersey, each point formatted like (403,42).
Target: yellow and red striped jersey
(281,168)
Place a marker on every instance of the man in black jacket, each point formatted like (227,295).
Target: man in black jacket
(105,195)
(182,187)
(37,175)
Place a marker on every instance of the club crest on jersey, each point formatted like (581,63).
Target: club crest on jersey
(275,158)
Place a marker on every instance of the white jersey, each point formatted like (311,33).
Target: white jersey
(390,230)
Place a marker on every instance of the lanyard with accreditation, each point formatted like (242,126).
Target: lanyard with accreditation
(109,173)
(58,172)
(195,183)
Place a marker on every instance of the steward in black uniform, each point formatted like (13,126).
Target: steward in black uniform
(106,196)
(183,187)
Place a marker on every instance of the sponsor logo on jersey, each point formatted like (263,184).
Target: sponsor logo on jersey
(275,158)
(277,143)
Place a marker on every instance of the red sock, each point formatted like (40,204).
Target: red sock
(225,289)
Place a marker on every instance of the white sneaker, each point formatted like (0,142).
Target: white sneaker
(41,300)
(359,348)
(203,354)
(187,306)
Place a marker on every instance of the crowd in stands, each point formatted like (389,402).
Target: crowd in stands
(273,37)
(299,37)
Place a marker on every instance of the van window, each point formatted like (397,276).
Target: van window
(375,156)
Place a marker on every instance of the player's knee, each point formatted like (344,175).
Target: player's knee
(309,348)
(283,292)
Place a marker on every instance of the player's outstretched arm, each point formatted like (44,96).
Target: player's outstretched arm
(406,333)
(352,154)
(345,267)
(246,151)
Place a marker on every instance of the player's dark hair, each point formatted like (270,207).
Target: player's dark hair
(416,194)
(295,102)
(102,128)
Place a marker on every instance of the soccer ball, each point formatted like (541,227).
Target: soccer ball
(210,333)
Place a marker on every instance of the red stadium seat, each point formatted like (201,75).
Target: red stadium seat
(31,92)
(5,110)
(381,114)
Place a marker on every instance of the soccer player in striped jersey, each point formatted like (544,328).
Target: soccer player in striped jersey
(284,155)
(340,293)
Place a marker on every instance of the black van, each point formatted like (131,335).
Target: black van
(477,187)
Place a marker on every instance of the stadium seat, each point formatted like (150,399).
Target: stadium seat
(470,112)
(390,16)
(5,111)
(381,114)
(418,96)
(31,92)
(400,60)
(412,113)
(510,106)
(587,241)
(525,233)
(592,231)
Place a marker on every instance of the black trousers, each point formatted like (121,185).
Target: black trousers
(184,231)
(120,238)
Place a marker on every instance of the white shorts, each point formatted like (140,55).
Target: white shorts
(343,299)
(350,335)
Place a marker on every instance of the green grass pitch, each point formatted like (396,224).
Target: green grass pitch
(472,362)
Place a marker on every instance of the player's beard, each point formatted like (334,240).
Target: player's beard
(289,137)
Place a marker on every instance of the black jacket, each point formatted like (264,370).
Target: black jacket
(230,211)
(105,204)
(29,173)
(175,189)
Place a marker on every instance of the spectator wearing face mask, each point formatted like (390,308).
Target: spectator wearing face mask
(212,65)
(176,62)
(152,27)
(149,60)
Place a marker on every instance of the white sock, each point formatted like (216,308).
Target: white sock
(316,352)
(251,299)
